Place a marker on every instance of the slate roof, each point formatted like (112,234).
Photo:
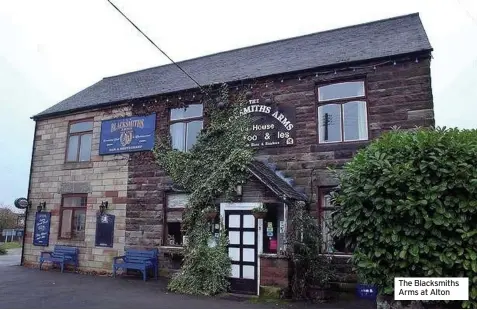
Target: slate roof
(389,37)
(276,181)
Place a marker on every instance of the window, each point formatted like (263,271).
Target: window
(73,217)
(327,209)
(80,135)
(175,206)
(274,229)
(186,123)
(342,114)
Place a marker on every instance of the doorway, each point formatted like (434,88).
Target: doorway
(245,246)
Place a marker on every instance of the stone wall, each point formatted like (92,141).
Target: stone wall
(273,270)
(136,187)
(104,178)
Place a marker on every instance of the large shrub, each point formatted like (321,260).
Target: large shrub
(409,207)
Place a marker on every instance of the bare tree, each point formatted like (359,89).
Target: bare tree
(8,218)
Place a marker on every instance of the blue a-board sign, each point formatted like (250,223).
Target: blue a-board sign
(41,235)
(130,134)
(367,291)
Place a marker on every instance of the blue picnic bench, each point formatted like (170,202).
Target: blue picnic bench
(138,260)
(61,255)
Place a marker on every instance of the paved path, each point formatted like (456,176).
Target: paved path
(12,258)
(21,287)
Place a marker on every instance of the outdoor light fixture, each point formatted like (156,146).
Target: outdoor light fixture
(103,206)
(220,105)
(239,190)
(41,206)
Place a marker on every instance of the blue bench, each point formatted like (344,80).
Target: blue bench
(138,260)
(61,255)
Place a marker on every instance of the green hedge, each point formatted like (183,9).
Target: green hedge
(409,207)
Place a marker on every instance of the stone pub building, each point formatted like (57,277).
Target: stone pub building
(315,100)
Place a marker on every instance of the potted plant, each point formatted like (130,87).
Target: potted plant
(259,212)
(210,213)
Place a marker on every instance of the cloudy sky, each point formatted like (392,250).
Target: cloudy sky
(51,49)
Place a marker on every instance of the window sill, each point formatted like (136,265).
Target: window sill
(75,243)
(77,165)
(272,256)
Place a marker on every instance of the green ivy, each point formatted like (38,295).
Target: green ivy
(311,269)
(409,207)
(212,169)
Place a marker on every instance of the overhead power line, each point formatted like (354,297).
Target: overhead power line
(157,47)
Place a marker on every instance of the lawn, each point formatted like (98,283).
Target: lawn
(10,245)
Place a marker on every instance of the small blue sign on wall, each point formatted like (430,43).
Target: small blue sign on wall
(41,235)
(367,291)
(130,134)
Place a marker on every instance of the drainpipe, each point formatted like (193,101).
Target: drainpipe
(28,195)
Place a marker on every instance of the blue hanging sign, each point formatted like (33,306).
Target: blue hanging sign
(41,235)
(124,135)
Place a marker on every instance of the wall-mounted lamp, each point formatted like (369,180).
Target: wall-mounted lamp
(239,190)
(103,206)
(41,206)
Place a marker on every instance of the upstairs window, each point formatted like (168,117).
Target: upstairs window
(80,135)
(185,125)
(342,112)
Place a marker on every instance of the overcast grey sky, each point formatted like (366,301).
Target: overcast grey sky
(51,49)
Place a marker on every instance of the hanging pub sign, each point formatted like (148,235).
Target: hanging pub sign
(41,234)
(272,126)
(124,135)
(104,230)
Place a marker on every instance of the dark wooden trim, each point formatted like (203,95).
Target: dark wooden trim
(62,208)
(79,134)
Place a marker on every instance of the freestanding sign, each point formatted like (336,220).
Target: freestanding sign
(41,234)
(124,135)
(272,125)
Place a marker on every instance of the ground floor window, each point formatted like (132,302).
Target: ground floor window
(73,216)
(274,232)
(327,211)
(174,208)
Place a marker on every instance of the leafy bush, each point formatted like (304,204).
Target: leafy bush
(3,251)
(409,207)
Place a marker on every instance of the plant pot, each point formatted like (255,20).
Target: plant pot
(210,215)
(259,214)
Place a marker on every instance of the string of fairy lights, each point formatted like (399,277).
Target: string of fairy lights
(192,95)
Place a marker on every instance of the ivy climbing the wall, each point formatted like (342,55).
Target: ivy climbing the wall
(212,169)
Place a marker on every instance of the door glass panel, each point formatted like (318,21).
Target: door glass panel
(234,237)
(248,221)
(235,271)
(234,254)
(248,237)
(249,255)
(234,221)
(248,272)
